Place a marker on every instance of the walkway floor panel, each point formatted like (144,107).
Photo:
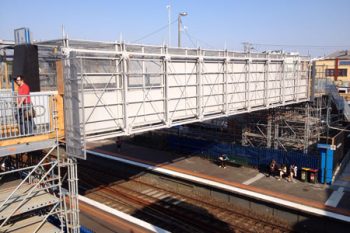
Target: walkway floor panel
(37,199)
(30,225)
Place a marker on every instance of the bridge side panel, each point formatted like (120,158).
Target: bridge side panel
(182,89)
(124,92)
(73,110)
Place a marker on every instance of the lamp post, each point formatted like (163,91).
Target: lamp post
(169,24)
(179,23)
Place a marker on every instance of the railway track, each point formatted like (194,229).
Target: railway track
(168,209)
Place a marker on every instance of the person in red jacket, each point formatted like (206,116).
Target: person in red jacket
(25,108)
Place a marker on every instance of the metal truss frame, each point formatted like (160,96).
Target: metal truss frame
(115,89)
(296,127)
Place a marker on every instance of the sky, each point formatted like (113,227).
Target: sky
(310,27)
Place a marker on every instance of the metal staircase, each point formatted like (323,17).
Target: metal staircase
(338,100)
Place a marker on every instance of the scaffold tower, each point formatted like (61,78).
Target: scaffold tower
(38,183)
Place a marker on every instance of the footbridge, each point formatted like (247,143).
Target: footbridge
(115,89)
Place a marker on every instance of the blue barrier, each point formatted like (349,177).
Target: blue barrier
(85,230)
(56,222)
(326,172)
(256,157)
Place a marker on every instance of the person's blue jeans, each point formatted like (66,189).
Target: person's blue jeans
(26,124)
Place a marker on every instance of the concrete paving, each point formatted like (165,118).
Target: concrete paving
(343,179)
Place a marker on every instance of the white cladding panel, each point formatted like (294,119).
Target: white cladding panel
(136,91)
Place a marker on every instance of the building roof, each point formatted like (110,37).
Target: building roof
(341,54)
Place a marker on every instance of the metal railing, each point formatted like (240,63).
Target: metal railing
(34,117)
(327,86)
(321,85)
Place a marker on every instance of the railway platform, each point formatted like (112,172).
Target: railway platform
(316,198)
(98,217)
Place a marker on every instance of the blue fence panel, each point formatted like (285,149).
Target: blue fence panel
(258,157)
(85,230)
(303,160)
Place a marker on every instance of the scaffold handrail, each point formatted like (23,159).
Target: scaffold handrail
(327,86)
(23,169)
